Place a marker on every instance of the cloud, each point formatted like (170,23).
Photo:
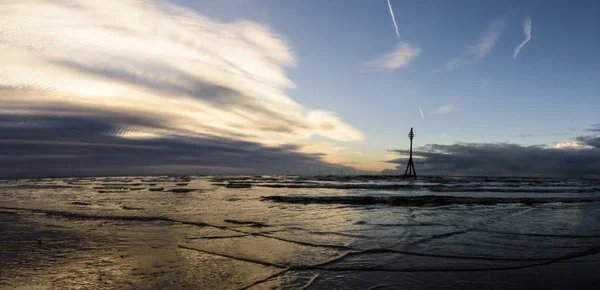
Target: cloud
(527,33)
(76,146)
(525,135)
(572,145)
(177,71)
(401,57)
(485,84)
(332,153)
(153,71)
(503,159)
(445,109)
(487,42)
(392,155)
(393,18)
(595,128)
(454,63)
(481,48)
(592,141)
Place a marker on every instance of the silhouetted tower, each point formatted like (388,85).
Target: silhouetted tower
(410,168)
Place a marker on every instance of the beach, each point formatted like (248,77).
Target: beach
(299,232)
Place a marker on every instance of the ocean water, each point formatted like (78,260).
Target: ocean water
(291,232)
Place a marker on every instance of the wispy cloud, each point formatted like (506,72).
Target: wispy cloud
(393,18)
(485,84)
(527,33)
(481,48)
(454,63)
(487,42)
(525,135)
(401,57)
(209,78)
(445,109)
(595,128)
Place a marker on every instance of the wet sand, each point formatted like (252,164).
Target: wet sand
(61,234)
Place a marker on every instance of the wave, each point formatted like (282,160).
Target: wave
(42,186)
(86,216)
(433,187)
(514,189)
(547,235)
(343,186)
(424,200)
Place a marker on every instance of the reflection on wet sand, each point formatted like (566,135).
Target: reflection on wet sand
(207,236)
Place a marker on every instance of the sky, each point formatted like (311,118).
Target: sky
(271,87)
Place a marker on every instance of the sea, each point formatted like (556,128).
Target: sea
(299,232)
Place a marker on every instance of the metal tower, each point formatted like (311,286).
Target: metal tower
(410,168)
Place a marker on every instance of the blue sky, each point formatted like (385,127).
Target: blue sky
(323,79)
(549,91)
(332,39)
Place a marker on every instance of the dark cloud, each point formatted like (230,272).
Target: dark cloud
(75,146)
(595,128)
(506,159)
(593,141)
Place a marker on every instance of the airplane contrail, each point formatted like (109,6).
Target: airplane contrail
(393,18)
(527,33)
(398,34)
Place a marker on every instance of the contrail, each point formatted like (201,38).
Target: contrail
(527,32)
(398,34)
(393,18)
